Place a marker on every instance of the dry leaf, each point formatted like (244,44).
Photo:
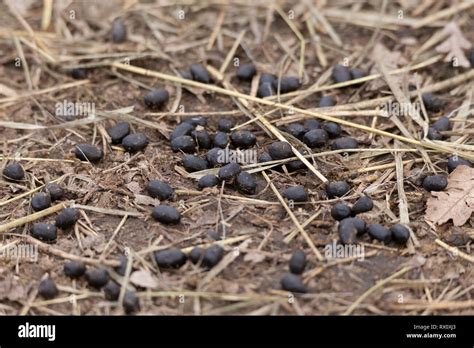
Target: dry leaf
(254,257)
(391,59)
(143,279)
(454,45)
(456,202)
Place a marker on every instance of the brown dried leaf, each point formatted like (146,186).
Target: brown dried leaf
(391,59)
(143,279)
(454,45)
(456,202)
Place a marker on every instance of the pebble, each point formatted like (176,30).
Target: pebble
(228,172)
(280,150)
(221,140)
(97,277)
(297,262)
(170,258)
(311,124)
(14,172)
(296,129)
(40,201)
(166,214)
(78,73)
(44,232)
(434,134)
(196,254)
(119,32)
(332,128)
(159,189)
(47,289)
(74,269)
(362,205)
(183,143)
(56,192)
(213,156)
(199,73)
(347,231)
(455,161)
(88,152)
(340,73)
(156,98)
(135,142)
(295,194)
(225,125)
(287,84)
(243,139)
(435,182)
(315,138)
(293,283)
(344,143)
(67,218)
(326,101)
(337,188)
(196,121)
(212,256)
(265,90)
(184,128)
(432,102)
(131,303)
(340,211)
(111,291)
(265,157)
(194,164)
(202,138)
(400,234)
(246,72)
(246,183)
(442,124)
(209,180)
(379,232)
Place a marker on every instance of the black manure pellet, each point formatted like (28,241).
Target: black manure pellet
(280,150)
(340,73)
(435,182)
(78,73)
(221,140)
(337,188)
(400,234)
(118,132)
(183,143)
(359,224)
(209,180)
(296,129)
(74,269)
(326,101)
(194,164)
(131,303)
(159,189)
(297,262)
(246,72)
(228,172)
(185,74)
(14,172)
(295,165)
(347,231)
(47,289)
(471,57)
(267,78)
(67,218)
(225,125)
(295,194)
(40,201)
(379,232)
(442,124)
(243,139)
(166,214)
(311,124)
(344,143)
(196,254)
(287,84)
(184,128)
(111,291)
(357,74)
(315,138)
(196,121)
(212,256)
(455,161)
(156,98)
(265,90)
(88,152)
(265,157)
(135,142)
(431,102)
(44,232)
(362,205)
(214,156)
(332,128)
(340,211)
(121,269)
(246,183)
(56,192)
(293,283)
(434,134)
(97,277)
(202,138)
(170,258)
(199,73)
(119,31)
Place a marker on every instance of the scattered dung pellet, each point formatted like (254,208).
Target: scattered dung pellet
(67,218)
(74,269)
(357,74)
(292,283)
(455,161)
(159,189)
(97,277)
(119,32)
(111,291)
(243,139)
(400,234)
(14,172)
(332,128)
(225,125)
(221,140)
(183,128)
(431,102)
(88,152)
(209,180)
(442,124)
(358,223)
(44,232)
(185,74)
(287,84)
(202,138)
(362,205)
(246,183)
(118,132)
(295,165)
(170,258)
(344,143)
(228,172)
(265,90)
(40,201)
(47,289)
(156,98)
(265,157)
(280,150)
(296,129)
(214,156)
(199,73)
(267,78)
(347,231)
(311,124)
(135,142)
(435,182)
(212,256)
(196,121)
(326,101)
(196,254)
(78,73)
(56,192)
(337,188)
(340,73)
(434,134)
(340,211)
(194,164)
(246,72)
(379,232)
(297,262)
(295,194)
(122,268)
(183,143)
(166,214)
(471,57)
(315,138)
(131,303)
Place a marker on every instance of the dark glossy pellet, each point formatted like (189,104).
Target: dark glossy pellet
(225,125)
(434,134)
(337,188)
(347,231)
(243,139)
(79,73)
(196,254)
(246,72)
(280,150)
(131,303)
(202,138)
(135,142)
(379,232)
(170,258)
(221,140)
(358,223)
(267,78)
(212,256)
(315,138)
(228,172)
(183,143)
(471,57)
(88,152)
(159,189)
(97,277)
(209,180)
(344,143)
(357,74)
(287,84)
(326,101)
(119,32)
(246,183)
(295,165)
(400,234)
(311,124)
(67,218)
(435,182)
(297,262)
(333,129)
(196,121)
(40,201)
(55,191)
(200,73)
(74,269)
(455,161)
(44,232)
(14,172)
(184,128)
(442,124)
(47,289)
(156,98)
(166,214)
(111,291)
(118,132)
(362,205)
(214,156)
(296,129)
(431,102)
(122,268)
(293,283)
(265,157)
(185,74)
(194,164)
(340,73)
(265,90)
(340,211)
(295,194)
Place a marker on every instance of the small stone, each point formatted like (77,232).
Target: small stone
(435,182)
(44,232)
(14,172)
(326,101)
(119,31)
(135,142)
(333,129)
(225,125)
(184,128)
(246,72)
(362,205)
(47,289)
(295,194)
(297,262)
(159,189)
(200,73)
(156,98)
(88,152)
(228,172)
(337,188)
(280,150)
(344,143)
(265,90)
(340,73)
(400,234)
(246,183)
(170,258)
(379,232)
(74,269)
(340,211)
(212,256)
(202,138)
(194,164)
(196,254)
(315,138)
(166,214)
(111,291)
(221,140)
(97,277)
(296,129)
(131,303)
(67,218)
(293,283)
(183,143)
(243,139)
(287,84)
(40,201)
(209,180)
(55,191)
(455,161)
